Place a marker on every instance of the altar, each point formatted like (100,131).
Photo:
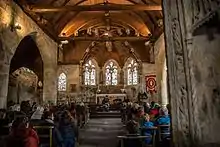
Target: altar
(112,97)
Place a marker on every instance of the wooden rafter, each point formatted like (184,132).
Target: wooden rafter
(106,7)
(63,14)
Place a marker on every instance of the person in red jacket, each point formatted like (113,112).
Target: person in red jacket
(21,135)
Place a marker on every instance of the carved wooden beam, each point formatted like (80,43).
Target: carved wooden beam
(100,39)
(105,7)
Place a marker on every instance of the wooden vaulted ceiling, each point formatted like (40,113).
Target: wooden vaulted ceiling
(68,22)
(57,23)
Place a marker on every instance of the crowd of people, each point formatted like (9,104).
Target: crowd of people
(141,118)
(17,124)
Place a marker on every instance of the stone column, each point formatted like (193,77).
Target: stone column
(4,78)
(122,77)
(81,77)
(50,83)
(164,96)
(101,77)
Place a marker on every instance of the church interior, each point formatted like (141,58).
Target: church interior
(109,73)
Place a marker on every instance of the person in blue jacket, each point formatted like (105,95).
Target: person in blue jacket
(164,119)
(67,130)
(148,132)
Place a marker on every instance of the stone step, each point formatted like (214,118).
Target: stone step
(105,116)
(105,113)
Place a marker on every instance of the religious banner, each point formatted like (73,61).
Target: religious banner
(151,83)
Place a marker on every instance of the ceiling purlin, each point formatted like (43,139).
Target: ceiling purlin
(149,2)
(62,16)
(146,20)
(149,17)
(52,3)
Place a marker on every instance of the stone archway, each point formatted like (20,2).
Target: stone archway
(10,40)
(26,70)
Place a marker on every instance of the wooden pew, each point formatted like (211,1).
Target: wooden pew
(161,134)
(45,136)
(154,131)
(123,138)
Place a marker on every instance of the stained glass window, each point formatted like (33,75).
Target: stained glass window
(111,74)
(89,73)
(62,82)
(132,71)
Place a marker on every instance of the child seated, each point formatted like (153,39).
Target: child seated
(146,132)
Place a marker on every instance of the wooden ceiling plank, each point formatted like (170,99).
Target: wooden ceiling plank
(107,7)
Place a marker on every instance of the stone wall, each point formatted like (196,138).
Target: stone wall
(148,69)
(23,93)
(10,15)
(73,77)
(205,76)
(72,73)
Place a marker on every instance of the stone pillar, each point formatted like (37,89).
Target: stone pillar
(81,77)
(50,83)
(164,96)
(122,77)
(4,78)
(101,79)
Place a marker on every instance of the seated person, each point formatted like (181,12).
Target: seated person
(21,135)
(148,124)
(163,119)
(140,116)
(132,128)
(67,130)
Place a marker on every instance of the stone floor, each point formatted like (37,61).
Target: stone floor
(101,132)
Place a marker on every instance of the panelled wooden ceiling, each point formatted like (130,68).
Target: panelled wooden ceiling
(67,23)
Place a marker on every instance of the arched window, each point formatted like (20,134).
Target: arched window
(111,74)
(89,73)
(62,82)
(132,72)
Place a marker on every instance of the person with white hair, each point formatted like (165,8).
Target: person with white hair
(164,118)
(163,121)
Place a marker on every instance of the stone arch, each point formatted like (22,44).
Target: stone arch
(12,38)
(118,70)
(26,55)
(62,80)
(98,74)
(125,68)
(111,60)
(34,59)
(93,61)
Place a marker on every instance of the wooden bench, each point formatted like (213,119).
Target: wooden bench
(161,134)
(45,136)
(154,131)
(122,138)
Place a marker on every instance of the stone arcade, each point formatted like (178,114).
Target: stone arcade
(67,50)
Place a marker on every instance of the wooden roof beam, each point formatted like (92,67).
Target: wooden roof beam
(103,39)
(105,7)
